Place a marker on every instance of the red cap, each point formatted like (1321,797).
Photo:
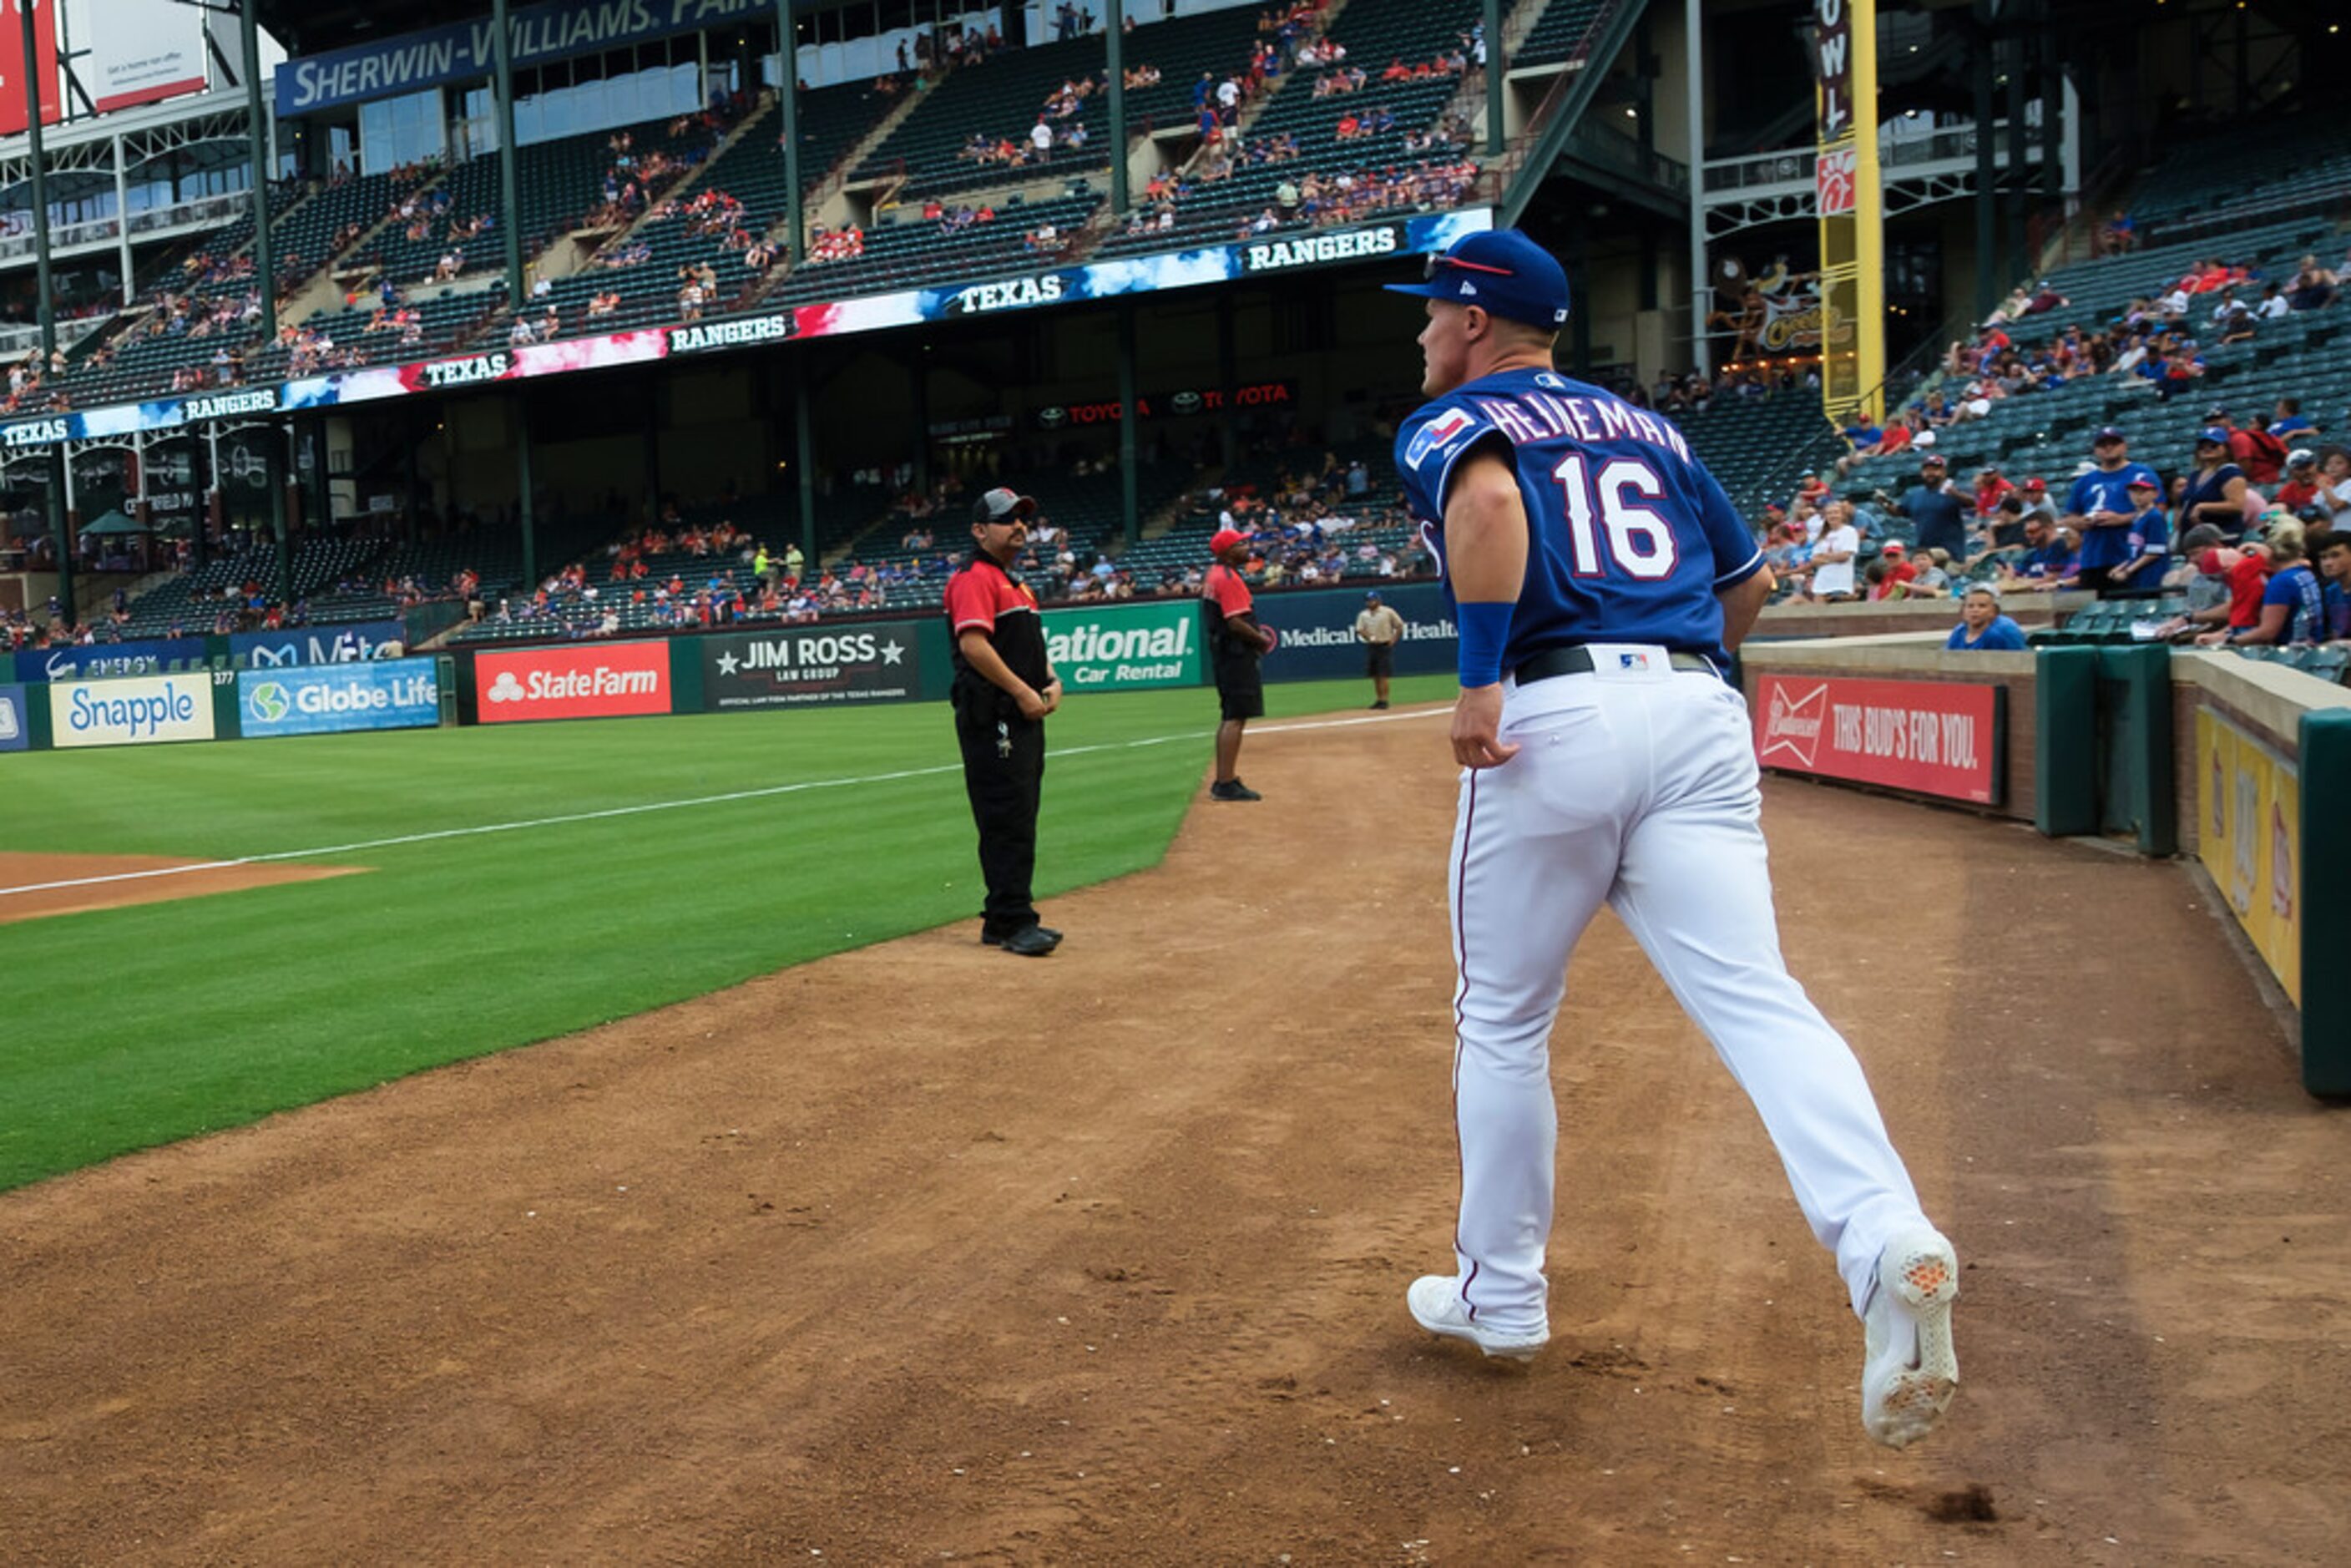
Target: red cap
(1893,547)
(1225,539)
(2036,483)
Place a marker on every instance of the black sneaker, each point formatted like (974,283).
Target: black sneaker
(1232,790)
(1379,705)
(1032,942)
(1029,941)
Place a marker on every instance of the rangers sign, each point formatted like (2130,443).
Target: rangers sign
(1931,738)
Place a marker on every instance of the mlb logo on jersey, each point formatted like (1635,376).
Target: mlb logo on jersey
(1437,434)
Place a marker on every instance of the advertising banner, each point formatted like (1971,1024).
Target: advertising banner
(135,711)
(159,657)
(536,35)
(862,313)
(13,119)
(15,720)
(323,699)
(597,680)
(1850,204)
(317,646)
(1932,738)
(130,52)
(2249,836)
(1318,633)
(794,666)
(1126,647)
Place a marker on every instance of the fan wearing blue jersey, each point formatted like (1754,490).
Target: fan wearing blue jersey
(1597,575)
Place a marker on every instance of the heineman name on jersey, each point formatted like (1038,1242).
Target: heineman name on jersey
(1277,254)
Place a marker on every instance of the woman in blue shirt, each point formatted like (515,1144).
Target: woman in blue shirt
(1983,627)
(2293,605)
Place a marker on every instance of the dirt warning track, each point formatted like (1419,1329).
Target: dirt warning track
(925,1253)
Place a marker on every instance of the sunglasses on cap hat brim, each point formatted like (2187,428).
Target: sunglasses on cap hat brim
(1437,261)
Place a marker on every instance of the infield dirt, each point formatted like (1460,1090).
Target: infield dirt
(32,886)
(926,1253)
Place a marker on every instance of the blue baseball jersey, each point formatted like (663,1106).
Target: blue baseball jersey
(2104,492)
(1630,538)
(2300,589)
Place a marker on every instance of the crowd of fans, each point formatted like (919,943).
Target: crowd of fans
(2255,501)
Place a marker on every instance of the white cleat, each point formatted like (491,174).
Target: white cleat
(1437,1306)
(1911,1371)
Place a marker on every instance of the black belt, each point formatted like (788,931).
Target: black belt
(1577,661)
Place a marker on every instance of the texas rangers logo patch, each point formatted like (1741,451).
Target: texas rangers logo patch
(1438,433)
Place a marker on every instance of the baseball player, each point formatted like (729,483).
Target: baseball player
(1004,688)
(1378,629)
(1597,573)
(1236,643)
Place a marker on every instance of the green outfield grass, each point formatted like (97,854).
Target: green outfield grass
(134,1027)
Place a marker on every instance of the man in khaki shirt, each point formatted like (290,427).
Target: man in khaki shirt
(1378,629)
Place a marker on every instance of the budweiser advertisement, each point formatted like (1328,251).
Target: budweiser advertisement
(1932,738)
(607,680)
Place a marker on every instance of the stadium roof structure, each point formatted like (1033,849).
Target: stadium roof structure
(305,27)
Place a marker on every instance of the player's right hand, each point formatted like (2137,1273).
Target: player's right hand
(1476,728)
(1032,707)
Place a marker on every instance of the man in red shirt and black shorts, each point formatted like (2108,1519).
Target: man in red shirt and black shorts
(1236,643)
(1004,688)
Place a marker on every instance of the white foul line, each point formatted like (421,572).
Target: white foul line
(732,795)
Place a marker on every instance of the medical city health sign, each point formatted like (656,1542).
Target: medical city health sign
(1931,738)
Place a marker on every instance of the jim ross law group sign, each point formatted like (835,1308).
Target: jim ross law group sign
(1931,738)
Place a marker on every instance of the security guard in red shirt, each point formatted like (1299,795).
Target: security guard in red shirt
(1236,643)
(1004,688)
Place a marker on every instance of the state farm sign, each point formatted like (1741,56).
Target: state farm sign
(1933,737)
(599,681)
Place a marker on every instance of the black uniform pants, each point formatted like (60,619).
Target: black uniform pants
(1003,770)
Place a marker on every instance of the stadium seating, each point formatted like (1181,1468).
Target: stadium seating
(905,250)
(1747,442)
(999,97)
(2205,183)
(1374,37)
(1559,33)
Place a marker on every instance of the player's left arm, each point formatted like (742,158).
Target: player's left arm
(1742,602)
(1485,559)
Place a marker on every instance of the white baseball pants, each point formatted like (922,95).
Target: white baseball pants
(1637,784)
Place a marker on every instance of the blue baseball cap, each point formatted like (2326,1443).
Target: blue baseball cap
(1499,270)
(2108,432)
(2216,435)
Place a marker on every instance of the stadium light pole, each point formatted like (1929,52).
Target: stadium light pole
(1987,169)
(1694,111)
(787,100)
(502,52)
(1129,502)
(60,526)
(1493,35)
(1114,45)
(2019,182)
(273,445)
(804,456)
